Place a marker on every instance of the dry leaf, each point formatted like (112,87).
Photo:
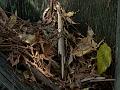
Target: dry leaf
(28,38)
(86,45)
(69,14)
(12,21)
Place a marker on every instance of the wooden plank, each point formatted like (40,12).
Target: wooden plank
(117,74)
(5,82)
(9,79)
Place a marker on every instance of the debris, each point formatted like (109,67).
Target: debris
(33,47)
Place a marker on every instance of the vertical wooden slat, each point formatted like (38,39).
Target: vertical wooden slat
(117,74)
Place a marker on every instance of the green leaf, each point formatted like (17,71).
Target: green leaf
(103,58)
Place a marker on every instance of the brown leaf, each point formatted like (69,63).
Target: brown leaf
(86,45)
(12,21)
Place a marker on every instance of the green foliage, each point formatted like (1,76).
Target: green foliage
(103,58)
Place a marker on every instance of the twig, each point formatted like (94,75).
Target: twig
(104,80)
(61,47)
(97,79)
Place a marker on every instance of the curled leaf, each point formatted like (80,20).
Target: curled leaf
(69,14)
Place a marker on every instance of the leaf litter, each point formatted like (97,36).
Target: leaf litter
(49,52)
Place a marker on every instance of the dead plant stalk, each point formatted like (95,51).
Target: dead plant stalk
(61,47)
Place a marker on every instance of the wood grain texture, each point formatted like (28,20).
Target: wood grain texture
(8,78)
(117,74)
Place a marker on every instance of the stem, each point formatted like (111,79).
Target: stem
(61,47)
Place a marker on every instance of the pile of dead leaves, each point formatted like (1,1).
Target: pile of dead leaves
(49,52)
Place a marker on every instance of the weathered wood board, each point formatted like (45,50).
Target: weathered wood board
(9,80)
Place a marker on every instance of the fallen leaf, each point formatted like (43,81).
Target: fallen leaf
(69,14)
(28,38)
(103,58)
(12,21)
(86,45)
